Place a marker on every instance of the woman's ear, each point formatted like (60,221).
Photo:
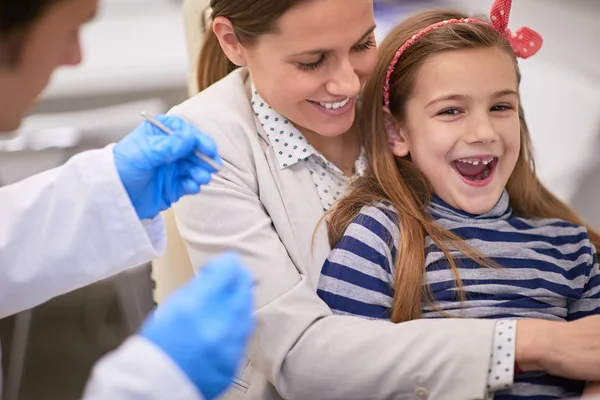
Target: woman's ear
(396,134)
(230,44)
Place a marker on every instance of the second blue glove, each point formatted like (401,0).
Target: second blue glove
(204,326)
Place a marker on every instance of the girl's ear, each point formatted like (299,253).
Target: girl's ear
(396,134)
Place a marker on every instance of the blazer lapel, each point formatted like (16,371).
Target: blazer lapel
(301,217)
(304,211)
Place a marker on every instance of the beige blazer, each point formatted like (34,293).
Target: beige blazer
(300,350)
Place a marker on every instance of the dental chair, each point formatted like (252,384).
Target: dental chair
(174,268)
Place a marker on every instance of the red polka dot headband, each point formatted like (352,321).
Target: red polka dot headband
(524,41)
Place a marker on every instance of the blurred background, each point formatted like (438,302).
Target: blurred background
(136,58)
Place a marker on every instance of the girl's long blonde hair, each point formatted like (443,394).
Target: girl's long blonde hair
(399,181)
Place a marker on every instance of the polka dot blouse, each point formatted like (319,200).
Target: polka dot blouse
(291,147)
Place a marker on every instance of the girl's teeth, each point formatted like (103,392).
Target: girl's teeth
(335,106)
(476,162)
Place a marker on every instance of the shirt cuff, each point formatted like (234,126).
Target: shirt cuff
(149,238)
(139,369)
(502,364)
(155,229)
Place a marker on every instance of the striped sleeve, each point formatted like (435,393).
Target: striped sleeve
(357,277)
(589,303)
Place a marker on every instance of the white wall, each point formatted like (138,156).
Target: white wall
(561,94)
(134,59)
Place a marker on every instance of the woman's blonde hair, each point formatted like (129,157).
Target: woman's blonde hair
(399,182)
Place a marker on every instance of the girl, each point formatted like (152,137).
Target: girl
(450,219)
(282,79)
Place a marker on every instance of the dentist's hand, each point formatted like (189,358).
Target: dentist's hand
(157,169)
(204,327)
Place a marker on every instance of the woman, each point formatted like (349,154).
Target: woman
(306,60)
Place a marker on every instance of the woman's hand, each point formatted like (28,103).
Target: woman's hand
(567,349)
(592,391)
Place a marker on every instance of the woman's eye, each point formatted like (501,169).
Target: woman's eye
(365,46)
(306,67)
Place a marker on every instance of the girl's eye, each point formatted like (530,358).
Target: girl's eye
(501,107)
(450,111)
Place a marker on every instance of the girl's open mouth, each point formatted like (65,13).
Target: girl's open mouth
(476,171)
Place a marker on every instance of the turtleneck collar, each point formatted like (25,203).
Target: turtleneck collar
(501,211)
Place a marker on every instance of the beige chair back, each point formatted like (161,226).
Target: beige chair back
(174,268)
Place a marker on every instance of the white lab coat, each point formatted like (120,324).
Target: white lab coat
(69,227)
(139,370)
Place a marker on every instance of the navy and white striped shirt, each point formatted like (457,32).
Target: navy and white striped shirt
(549,271)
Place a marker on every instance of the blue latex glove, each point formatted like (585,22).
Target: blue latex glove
(157,169)
(204,327)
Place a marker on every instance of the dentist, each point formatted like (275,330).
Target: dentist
(98,214)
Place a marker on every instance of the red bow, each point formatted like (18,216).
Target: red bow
(524,41)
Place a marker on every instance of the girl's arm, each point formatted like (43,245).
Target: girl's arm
(357,277)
